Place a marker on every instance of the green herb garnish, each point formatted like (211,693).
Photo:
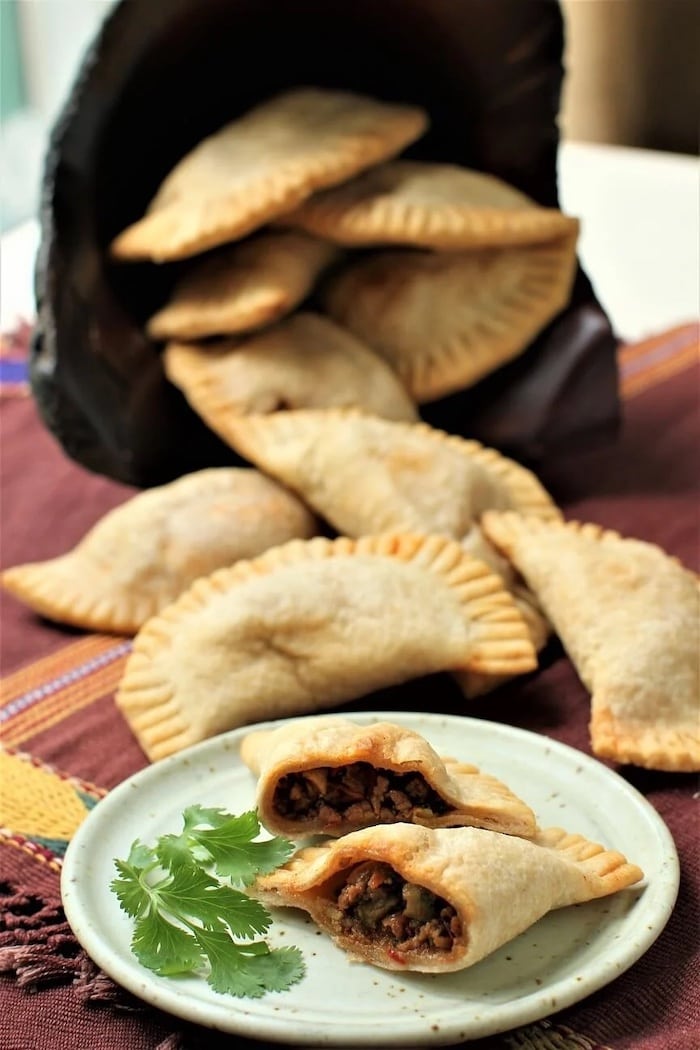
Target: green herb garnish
(191,918)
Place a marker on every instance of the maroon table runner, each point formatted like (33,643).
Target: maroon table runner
(52,996)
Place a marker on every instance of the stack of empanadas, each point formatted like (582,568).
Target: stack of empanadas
(433,864)
(430,274)
(362,548)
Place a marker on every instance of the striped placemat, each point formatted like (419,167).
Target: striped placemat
(49,690)
(648,363)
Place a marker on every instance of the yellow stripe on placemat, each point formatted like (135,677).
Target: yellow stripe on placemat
(49,691)
(39,803)
(647,363)
(40,806)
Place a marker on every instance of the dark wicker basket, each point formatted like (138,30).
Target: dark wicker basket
(161,76)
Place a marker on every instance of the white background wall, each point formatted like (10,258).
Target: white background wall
(53,37)
(54,34)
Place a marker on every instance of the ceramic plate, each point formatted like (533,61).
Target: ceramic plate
(561,959)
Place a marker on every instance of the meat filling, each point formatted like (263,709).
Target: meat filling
(359,794)
(377,904)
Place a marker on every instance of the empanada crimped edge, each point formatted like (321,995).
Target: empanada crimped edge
(252,434)
(343,215)
(49,588)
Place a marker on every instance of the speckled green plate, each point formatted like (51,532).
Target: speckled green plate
(561,959)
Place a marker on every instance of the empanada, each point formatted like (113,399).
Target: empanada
(438,206)
(629,618)
(304,361)
(309,625)
(444,320)
(143,554)
(244,286)
(404,897)
(331,776)
(365,475)
(265,163)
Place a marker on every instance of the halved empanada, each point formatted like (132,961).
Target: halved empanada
(365,474)
(245,286)
(263,164)
(438,206)
(444,320)
(629,618)
(311,625)
(305,361)
(405,897)
(331,776)
(143,554)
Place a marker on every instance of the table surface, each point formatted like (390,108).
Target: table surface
(635,207)
(639,237)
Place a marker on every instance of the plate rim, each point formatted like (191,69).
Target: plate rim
(150,988)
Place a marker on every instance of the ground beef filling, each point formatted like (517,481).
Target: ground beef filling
(377,904)
(358,793)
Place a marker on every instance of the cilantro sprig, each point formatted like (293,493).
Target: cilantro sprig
(191,915)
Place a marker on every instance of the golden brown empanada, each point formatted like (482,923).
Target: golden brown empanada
(444,320)
(438,206)
(263,164)
(245,286)
(330,776)
(405,897)
(629,618)
(140,556)
(304,361)
(309,625)
(367,475)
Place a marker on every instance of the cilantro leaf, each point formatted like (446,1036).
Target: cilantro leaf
(280,969)
(260,858)
(189,921)
(215,817)
(192,894)
(133,896)
(173,852)
(141,856)
(165,948)
(229,843)
(245,916)
(252,969)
